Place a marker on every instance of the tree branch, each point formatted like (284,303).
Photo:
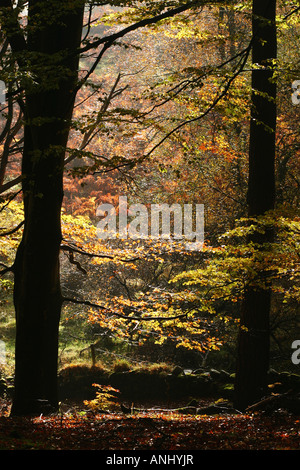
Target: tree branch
(72,249)
(10,184)
(291,13)
(6,269)
(77,264)
(120,315)
(10,232)
(88,136)
(110,39)
(13,31)
(214,103)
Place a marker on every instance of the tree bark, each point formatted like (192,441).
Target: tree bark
(37,295)
(254,336)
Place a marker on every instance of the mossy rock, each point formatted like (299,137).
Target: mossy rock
(139,384)
(226,390)
(182,386)
(76,381)
(283,381)
(220,375)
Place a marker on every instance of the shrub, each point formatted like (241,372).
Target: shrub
(106,399)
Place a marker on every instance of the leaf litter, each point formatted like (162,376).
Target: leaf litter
(149,430)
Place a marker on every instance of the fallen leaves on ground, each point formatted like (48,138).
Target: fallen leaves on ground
(150,431)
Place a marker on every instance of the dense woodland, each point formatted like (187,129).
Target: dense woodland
(168,103)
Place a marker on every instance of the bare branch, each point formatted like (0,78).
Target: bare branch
(73,249)
(88,136)
(6,269)
(10,184)
(9,134)
(291,13)
(208,110)
(10,232)
(110,39)
(77,264)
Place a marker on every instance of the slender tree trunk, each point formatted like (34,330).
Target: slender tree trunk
(253,344)
(37,296)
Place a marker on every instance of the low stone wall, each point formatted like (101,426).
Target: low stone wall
(76,382)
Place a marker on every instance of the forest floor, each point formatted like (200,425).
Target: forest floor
(75,428)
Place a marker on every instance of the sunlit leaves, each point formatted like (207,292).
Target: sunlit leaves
(11,215)
(106,399)
(187,311)
(237,264)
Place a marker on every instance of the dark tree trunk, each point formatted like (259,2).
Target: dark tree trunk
(37,296)
(253,344)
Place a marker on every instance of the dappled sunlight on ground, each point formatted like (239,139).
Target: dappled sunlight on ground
(79,429)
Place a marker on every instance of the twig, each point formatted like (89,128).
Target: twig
(13,230)
(72,249)
(6,269)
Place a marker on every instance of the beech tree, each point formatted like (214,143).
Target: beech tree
(46,51)
(254,340)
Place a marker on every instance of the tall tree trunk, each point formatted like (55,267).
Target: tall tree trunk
(37,296)
(253,344)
